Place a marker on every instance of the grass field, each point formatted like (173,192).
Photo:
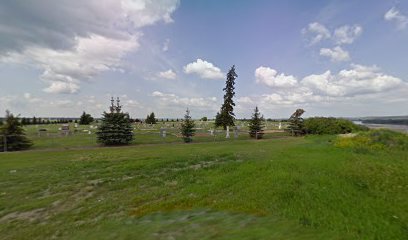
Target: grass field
(287,188)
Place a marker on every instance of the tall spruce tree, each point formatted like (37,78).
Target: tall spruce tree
(12,134)
(151,119)
(116,128)
(226,115)
(187,127)
(256,125)
(296,125)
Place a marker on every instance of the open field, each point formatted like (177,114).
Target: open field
(287,188)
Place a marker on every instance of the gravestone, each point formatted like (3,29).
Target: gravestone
(280,125)
(163,132)
(65,129)
(235,132)
(227,133)
(211,132)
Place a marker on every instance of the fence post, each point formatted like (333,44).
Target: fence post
(5,143)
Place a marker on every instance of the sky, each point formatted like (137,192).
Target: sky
(344,58)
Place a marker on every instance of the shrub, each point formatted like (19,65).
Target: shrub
(13,132)
(380,139)
(323,125)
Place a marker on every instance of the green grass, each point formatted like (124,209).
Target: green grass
(289,188)
(53,139)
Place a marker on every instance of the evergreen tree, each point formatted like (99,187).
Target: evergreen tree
(115,128)
(226,115)
(187,127)
(151,119)
(34,120)
(256,125)
(85,119)
(14,134)
(296,125)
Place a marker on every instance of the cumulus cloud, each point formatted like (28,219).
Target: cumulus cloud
(337,54)
(316,32)
(184,102)
(347,34)
(394,15)
(73,41)
(356,81)
(169,74)
(271,78)
(203,69)
(351,82)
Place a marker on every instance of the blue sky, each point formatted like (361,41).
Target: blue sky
(331,58)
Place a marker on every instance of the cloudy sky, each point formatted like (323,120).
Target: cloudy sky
(331,58)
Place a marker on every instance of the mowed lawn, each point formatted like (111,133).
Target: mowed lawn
(289,188)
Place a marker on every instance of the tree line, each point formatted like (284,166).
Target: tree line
(116,129)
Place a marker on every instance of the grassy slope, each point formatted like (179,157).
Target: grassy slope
(290,188)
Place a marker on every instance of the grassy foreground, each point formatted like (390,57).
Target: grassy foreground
(292,188)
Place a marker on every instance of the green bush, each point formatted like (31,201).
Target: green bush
(323,125)
(380,139)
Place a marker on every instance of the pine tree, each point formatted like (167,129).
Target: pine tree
(226,115)
(34,120)
(296,125)
(115,128)
(85,119)
(14,134)
(256,125)
(187,127)
(151,119)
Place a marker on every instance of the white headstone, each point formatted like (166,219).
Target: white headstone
(280,125)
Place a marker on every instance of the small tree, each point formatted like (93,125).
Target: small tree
(12,134)
(256,125)
(151,119)
(204,119)
(85,119)
(115,128)
(187,127)
(296,125)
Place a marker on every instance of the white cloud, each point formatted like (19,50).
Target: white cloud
(169,74)
(317,32)
(203,69)
(170,99)
(347,34)
(358,80)
(270,77)
(350,83)
(337,54)
(76,41)
(245,100)
(166,44)
(398,18)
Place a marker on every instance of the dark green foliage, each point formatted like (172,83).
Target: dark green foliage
(323,125)
(151,119)
(85,119)
(187,127)
(226,115)
(256,125)
(204,119)
(296,123)
(116,128)
(13,132)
